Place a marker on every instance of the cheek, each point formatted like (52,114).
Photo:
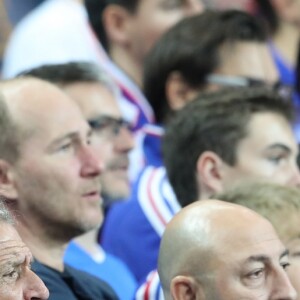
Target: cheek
(294,273)
(104,151)
(11,292)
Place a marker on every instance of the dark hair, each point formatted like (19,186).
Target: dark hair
(192,47)
(266,12)
(95,10)
(213,122)
(72,72)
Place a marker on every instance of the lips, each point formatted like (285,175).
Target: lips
(93,196)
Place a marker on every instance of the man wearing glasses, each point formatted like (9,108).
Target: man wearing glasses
(96,96)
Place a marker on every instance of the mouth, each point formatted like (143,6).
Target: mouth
(93,196)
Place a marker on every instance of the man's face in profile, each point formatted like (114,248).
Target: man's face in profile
(251,266)
(112,139)
(17,281)
(269,151)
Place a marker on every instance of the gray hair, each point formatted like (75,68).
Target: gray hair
(5,216)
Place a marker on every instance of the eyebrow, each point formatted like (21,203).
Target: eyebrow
(68,136)
(280,146)
(264,258)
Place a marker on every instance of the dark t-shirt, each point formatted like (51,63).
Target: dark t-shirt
(73,284)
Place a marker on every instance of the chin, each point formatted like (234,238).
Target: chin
(116,192)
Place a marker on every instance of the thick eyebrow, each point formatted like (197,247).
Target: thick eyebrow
(68,136)
(264,258)
(279,146)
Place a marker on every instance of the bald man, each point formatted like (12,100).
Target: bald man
(216,250)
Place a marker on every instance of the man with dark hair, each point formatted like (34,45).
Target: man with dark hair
(229,43)
(224,138)
(255,122)
(129,28)
(50,181)
(96,94)
(208,51)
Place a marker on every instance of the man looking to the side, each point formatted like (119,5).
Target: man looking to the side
(50,181)
(209,252)
(96,95)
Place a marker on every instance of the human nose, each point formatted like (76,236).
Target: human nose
(35,288)
(295,178)
(283,289)
(92,164)
(195,7)
(124,142)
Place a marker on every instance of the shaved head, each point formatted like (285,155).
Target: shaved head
(209,238)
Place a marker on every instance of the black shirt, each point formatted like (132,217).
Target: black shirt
(73,284)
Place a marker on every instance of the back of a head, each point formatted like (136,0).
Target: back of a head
(192,47)
(95,10)
(216,122)
(279,204)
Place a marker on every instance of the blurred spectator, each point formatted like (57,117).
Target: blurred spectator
(202,52)
(5,28)
(17,9)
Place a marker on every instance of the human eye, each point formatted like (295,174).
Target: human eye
(255,277)
(11,275)
(256,274)
(277,158)
(285,265)
(65,147)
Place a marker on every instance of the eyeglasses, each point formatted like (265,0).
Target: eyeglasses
(108,126)
(285,91)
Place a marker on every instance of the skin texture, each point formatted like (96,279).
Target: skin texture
(55,182)
(17,281)
(294,269)
(95,101)
(209,251)
(269,151)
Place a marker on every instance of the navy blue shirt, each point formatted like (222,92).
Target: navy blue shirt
(73,284)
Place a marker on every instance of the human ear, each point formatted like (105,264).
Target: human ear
(186,288)
(209,173)
(7,187)
(178,91)
(116,20)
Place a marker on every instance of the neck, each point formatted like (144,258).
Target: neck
(286,41)
(132,67)
(45,249)
(88,242)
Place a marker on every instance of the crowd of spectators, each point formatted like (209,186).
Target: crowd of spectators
(149,149)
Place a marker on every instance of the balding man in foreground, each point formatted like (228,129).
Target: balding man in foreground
(216,250)
(50,181)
